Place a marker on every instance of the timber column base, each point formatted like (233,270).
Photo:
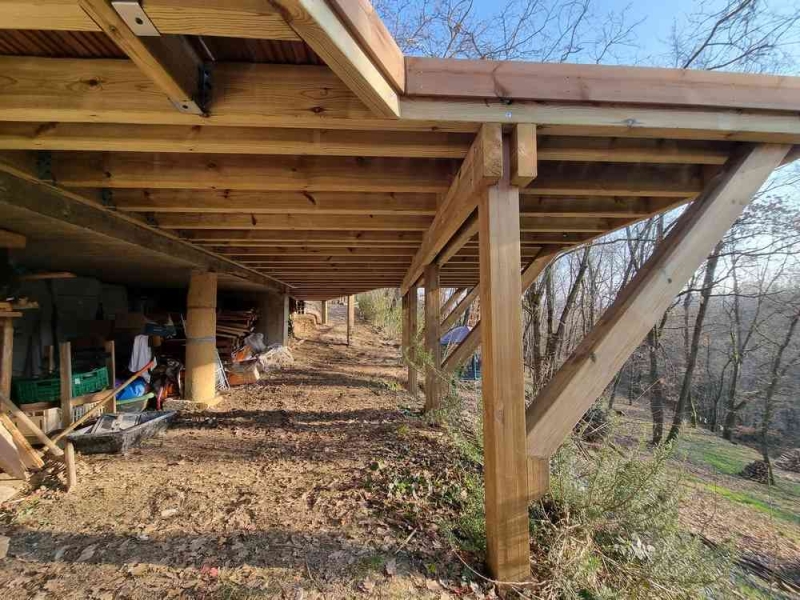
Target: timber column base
(201,341)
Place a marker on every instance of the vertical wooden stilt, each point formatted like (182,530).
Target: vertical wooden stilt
(324,311)
(65,375)
(505,458)
(201,330)
(69,462)
(6,355)
(111,365)
(433,347)
(538,477)
(410,327)
(351,318)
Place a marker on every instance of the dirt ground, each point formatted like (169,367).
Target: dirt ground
(262,497)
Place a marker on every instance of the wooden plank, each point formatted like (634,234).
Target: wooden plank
(505,469)
(467,232)
(538,478)
(55,203)
(524,161)
(594,206)
(225,18)
(242,201)
(331,238)
(351,317)
(65,15)
(452,300)
(599,356)
(324,312)
(9,239)
(6,354)
(111,365)
(169,62)
(319,27)
(366,26)
(434,386)
(231,140)
(551,82)
(69,461)
(453,316)
(27,454)
(482,167)
(65,378)
(245,255)
(10,459)
(601,149)
(293,221)
(242,172)
(410,332)
(14,410)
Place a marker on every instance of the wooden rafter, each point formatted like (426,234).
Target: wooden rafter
(600,355)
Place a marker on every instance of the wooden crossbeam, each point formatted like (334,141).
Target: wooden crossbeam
(9,239)
(239,201)
(169,62)
(466,233)
(53,202)
(293,221)
(482,167)
(594,206)
(452,300)
(320,27)
(230,140)
(332,238)
(582,378)
(238,172)
(459,309)
(244,254)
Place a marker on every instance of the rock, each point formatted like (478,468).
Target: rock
(391,568)
(169,512)
(367,585)
(60,553)
(87,553)
(4,542)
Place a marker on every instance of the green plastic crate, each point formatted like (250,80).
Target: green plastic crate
(28,391)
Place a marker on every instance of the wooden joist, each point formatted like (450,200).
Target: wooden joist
(239,201)
(230,140)
(320,27)
(331,238)
(55,203)
(594,206)
(9,239)
(551,82)
(582,378)
(482,167)
(169,62)
(241,172)
(301,221)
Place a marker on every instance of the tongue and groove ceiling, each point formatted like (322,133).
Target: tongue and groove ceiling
(323,156)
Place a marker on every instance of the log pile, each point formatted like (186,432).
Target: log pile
(759,471)
(789,461)
(232,327)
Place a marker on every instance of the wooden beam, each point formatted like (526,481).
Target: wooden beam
(293,221)
(505,469)
(594,206)
(351,318)
(231,140)
(366,26)
(9,239)
(467,232)
(452,300)
(481,168)
(524,159)
(450,320)
(65,381)
(320,252)
(319,27)
(201,327)
(61,205)
(169,62)
(599,356)
(601,149)
(410,327)
(433,348)
(54,15)
(241,172)
(509,80)
(233,201)
(330,238)
(111,365)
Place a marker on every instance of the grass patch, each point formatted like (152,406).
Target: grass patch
(752,501)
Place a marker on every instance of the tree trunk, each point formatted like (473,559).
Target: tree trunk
(656,389)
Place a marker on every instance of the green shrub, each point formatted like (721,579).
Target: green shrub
(382,309)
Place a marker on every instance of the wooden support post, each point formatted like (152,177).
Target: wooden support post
(538,477)
(69,462)
(273,319)
(6,355)
(65,376)
(351,318)
(201,343)
(505,458)
(433,346)
(111,365)
(410,301)
(324,311)
(584,376)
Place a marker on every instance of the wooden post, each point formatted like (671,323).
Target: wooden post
(410,337)
(65,375)
(201,330)
(505,458)
(351,318)
(273,319)
(111,365)
(6,355)
(433,346)
(69,461)
(324,311)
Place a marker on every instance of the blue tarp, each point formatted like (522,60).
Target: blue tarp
(455,336)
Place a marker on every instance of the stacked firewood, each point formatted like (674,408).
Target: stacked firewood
(759,471)
(232,327)
(789,461)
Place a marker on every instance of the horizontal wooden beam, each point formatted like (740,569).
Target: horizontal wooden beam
(239,172)
(585,374)
(240,238)
(61,205)
(552,82)
(250,253)
(295,203)
(482,167)
(293,221)
(9,239)
(594,206)
(321,28)
(632,150)
(231,140)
